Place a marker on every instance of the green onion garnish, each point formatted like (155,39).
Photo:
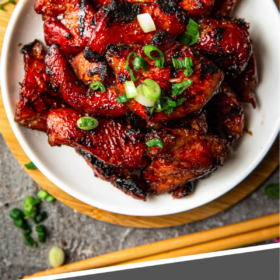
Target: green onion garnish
(140,62)
(272,191)
(97,86)
(151,90)
(45,195)
(158,61)
(191,35)
(128,68)
(2,5)
(188,63)
(122,99)
(41,217)
(41,233)
(56,257)
(178,63)
(30,165)
(87,123)
(30,208)
(181,87)
(130,89)
(155,142)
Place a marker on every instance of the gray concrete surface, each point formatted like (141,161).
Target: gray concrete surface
(82,237)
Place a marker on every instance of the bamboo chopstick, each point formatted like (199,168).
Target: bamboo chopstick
(217,245)
(232,233)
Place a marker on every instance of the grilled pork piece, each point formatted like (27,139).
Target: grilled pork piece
(37,97)
(186,156)
(184,190)
(75,93)
(226,42)
(197,8)
(206,80)
(67,23)
(245,84)
(223,8)
(225,114)
(90,72)
(122,178)
(111,142)
(117,22)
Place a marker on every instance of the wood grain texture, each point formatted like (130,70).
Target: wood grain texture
(265,168)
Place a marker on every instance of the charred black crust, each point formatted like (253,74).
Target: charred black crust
(130,184)
(122,78)
(122,11)
(184,190)
(103,69)
(170,7)
(161,37)
(206,69)
(219,33)
(92,55)
(28,47)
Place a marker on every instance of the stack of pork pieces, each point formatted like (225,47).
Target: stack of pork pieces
(189,74)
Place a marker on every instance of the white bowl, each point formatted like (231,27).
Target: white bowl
(70,172)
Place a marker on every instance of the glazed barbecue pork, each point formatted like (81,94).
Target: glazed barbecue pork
(141,149)
(36,96)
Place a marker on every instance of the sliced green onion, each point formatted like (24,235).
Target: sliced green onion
(272,191)
(2,5)
(151,90)
(140,62)
(191,35)
(87,123)
(29,207)
(122,99)
(178,63)
(188,63)
(130,89)
(155,142)
(29,240)
(16,214)
(146,22)
(181,87)
(42,194)
(41,233)
(128,68)
(41,217)
(158,61)
(30,165)
(140,98)
(97,86)
(180,101)
(56,257)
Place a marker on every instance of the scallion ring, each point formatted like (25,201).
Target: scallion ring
(140,62)
(191,35)
(87,123)
(97,86)
(128,68)
(181,87)
(30,165)
(122,99)
(140,98)
(151,90)
(130,89)
(158,61)
(188,64)
(155,142)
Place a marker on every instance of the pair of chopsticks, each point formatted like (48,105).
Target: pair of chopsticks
(223,238)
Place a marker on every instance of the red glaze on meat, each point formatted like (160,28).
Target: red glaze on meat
(186,156)
(111,142)
(121,178)
(206,80)
(36,95)
(90,72)
(223,8)
(184,191)
(198,8)
(67,23)
(225,114)
(226,42)
(118,22)
(75,93)
(245,84)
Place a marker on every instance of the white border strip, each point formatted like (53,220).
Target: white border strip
(160,262)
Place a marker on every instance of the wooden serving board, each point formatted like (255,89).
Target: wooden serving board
(260,174)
